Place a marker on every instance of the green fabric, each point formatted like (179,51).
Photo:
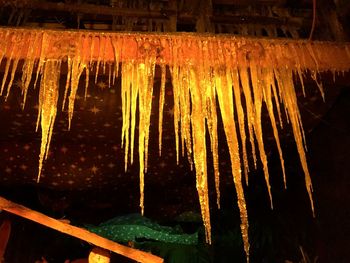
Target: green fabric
(133,227)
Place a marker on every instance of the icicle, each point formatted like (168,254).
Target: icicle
(150,84)
(84,64)
(49,90)
(319,84)
(92,51)
(277,101)
(298,66)
(104,55)
(285,83)
(77,69)
(308,46)
(244,77)
(109,75)
(44,46)
(28,66)
(161,107)
(300,54)
(268,82)
(241,120)
(176,92)
(256,77)
(279,56)
(211,113)
(7,67)
(100,47)
(116,50)
(3,51)
(87,78)
(234,75)
(135,86)
(199,150)
(13,72)
(226,108)
(18,39)
(68,81)
(144,78)
(181,90)
(127,70)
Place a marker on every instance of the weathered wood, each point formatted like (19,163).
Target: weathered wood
(249,2)
(77,232)
(90,9)
(99,255)
(191,11)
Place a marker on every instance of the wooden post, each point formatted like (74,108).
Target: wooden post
(99,255)
(83,234)
(5,231)
(172,23)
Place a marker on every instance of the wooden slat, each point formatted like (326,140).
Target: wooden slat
(77,232)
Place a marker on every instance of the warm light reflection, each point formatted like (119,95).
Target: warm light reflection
(211,78)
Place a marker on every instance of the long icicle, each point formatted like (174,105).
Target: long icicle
(14,66)
(18,39)
(176,92)
(267,83)
(161,108)
(49,90)
(28,66)
(145,76)
(134,92)
(77,69)
(286,86)
(211,112)
(258,98)
(199,149)
(244,78)
(226,105)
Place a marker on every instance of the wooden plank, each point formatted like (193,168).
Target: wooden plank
(138,255)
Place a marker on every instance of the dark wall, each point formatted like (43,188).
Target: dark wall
(329,154)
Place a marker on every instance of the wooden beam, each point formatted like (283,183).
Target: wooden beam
(249,2)
(191,11)
(103,46)
(91,9)
(260,20)
(138,255)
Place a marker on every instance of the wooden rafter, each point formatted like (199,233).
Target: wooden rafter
(189,13)
(91,9)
